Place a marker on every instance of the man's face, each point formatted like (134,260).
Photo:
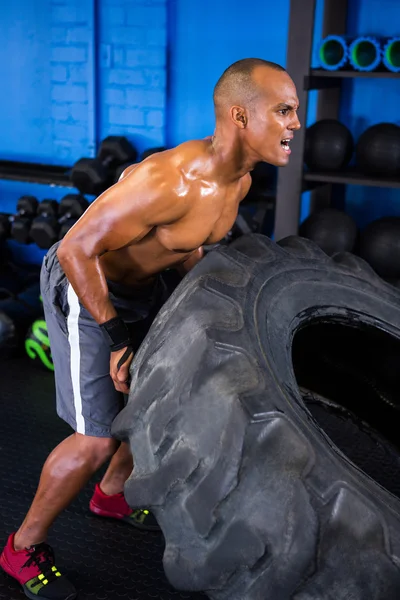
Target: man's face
(273,119)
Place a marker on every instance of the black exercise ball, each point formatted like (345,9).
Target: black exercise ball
(263,183)
(8,336)
(328,146)
(331,229)
(378,150)
(380,246)
(264,175)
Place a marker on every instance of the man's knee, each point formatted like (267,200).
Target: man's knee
(97,449)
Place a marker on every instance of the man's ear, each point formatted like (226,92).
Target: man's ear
(239,116)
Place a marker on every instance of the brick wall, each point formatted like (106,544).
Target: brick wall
(126,93)
(133,39)
(71,72)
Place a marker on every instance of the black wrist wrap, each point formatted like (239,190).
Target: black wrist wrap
(117,333)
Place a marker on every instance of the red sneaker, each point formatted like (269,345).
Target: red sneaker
(116,507)
(34,569)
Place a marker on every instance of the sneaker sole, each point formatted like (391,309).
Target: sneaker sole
(137,525)
(35,597)
(97,512)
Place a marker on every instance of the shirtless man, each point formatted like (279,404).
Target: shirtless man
(102,287)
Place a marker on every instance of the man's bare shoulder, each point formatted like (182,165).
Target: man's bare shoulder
(159,184)
(179,159)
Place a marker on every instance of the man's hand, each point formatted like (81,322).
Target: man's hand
(120,376)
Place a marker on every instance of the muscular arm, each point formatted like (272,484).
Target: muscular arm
(121,216)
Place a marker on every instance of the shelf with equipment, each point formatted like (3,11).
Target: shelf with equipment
(35,173)
(294,179)
(318,79)
(348,176)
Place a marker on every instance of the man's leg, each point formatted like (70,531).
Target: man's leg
(120,468)
(26,556)
(65,472)
(86,399)
(108,499)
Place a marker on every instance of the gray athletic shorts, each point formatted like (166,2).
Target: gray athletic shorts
(86,397)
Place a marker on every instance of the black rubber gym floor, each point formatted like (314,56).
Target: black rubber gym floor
(105,559)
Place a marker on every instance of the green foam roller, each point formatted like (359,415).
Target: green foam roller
(391,54)
(37,345)
(365,53)
(333,52)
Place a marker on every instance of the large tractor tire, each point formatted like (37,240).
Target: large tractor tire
(254,498)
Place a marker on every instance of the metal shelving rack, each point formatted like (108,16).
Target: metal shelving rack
(294,179)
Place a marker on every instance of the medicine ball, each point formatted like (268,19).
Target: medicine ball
(329,146)
(37,345)
(378,150)
(380,246)
(8,336)
(263,183)
(22,307)
(331,229)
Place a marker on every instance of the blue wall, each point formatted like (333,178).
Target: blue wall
(78,70)
(44,57)
(132,70)
(206,37)
(26,89)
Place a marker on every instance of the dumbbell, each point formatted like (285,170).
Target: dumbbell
(5,226)
(18,225)
(94,175)
(72,207)
(45,223)
(55,220)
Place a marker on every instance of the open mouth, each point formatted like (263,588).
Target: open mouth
(285,143)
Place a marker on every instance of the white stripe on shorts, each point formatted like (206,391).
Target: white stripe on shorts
(75,356)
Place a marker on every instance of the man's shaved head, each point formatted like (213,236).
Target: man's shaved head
(237,84)
(256,104)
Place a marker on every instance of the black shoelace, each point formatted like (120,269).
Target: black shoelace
(43,557)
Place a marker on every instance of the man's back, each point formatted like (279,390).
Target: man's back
(179,202)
